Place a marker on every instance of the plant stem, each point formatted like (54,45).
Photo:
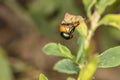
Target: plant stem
(87,39)
(94,20)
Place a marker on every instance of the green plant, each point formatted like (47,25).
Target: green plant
(82,64)
(5,70)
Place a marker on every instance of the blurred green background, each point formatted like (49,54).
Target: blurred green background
(27,25)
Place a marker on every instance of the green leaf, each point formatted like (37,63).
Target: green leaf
(110,58)
(102,4)
(5,70)
(82,28)
(42,77)
(80,52)
(57,50)
(71,78)
(66,66)
(65,51)
(88,69)
(111,19)
(88,5)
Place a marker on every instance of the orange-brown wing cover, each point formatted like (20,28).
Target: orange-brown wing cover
(64,28)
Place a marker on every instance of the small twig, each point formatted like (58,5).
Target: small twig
(94,20)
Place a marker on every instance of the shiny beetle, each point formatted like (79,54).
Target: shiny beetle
(66,29)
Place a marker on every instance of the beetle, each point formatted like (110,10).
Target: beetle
(66,29)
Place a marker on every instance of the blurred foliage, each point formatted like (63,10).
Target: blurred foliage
(110,39)
(89,69)
(107,36)
(70,78)
(111,19)
(49,13)
(88,5)
(42,77)
(114,8)
(46,14)
(102,4)
(5,70)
